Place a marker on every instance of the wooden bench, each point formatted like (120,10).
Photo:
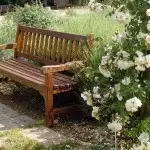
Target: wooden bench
(52,49)
(4,8)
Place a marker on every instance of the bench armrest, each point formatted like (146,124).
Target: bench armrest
(54,68)
(8,46)
(58,68)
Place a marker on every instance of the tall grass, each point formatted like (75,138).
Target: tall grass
(99,24)
(7,32)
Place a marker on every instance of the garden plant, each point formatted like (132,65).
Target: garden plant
(117,85)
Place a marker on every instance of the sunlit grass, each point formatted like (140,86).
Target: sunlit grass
(98,24)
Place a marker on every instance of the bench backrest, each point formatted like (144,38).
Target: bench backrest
(50,46)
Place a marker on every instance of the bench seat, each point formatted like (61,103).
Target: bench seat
(31,75)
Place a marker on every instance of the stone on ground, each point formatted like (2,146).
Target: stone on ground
(43,135)
(10,118)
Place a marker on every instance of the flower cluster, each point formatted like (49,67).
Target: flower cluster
(122,17)
(95,6)
(115,125)
(143,138)
(95,112)
(142,62)
(133,104)
(87,97)
(119,84)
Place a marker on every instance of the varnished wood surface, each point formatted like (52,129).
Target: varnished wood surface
(31,75)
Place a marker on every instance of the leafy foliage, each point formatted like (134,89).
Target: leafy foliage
(117,85)
(32,15)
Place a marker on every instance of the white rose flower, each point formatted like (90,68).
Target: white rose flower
(89,101)
(99,9)
(105,72)
(141,147)
(147,39)
(139,53)
(120,98)
(86,95)
(133,104)
(148,2)
(123,53)
(96,89)
(148,25)
(148,12)
(106,95)
(117,87)
(96,79)
(118,38)
(126,81)
(92,6)
(124,65)
(92,1)
(140,60)
(104,60)
(115,126)
(147,61)
(121,17)
(141,35)
(95,112)
(144,137)
(97,95)
(112,90)
(140,68)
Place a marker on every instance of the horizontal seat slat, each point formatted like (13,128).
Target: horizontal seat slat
(21,72)
(56,75)
(33,75)
(21,78)
(32,72)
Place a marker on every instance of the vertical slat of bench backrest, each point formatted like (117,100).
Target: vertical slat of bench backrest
(50,45)
(46,46)
(69,58)
(19,41)
(60,45)
(33,43)
(54,50)
(64,51)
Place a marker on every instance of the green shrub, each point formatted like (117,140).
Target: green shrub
(32,15)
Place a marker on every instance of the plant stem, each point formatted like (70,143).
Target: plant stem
(115,140)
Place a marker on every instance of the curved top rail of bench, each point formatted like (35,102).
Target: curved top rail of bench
(53,33)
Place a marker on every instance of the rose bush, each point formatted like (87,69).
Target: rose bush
(118,84)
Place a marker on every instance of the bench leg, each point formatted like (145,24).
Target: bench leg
(49,112)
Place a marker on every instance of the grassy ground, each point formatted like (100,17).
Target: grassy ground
(14,140)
